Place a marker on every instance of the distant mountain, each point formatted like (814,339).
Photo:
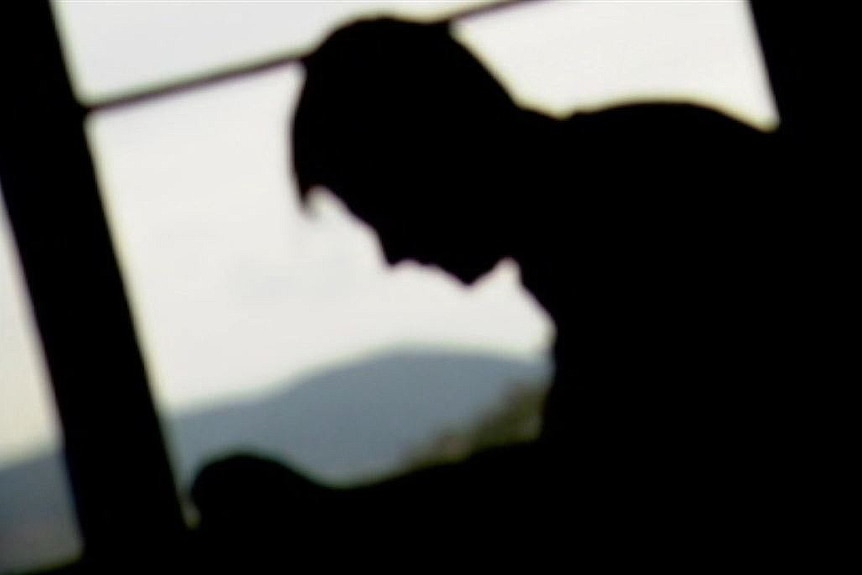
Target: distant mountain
(358,420)
(348,424)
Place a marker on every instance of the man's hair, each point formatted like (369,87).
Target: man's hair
(390,106)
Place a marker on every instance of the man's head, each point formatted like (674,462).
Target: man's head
(410,131)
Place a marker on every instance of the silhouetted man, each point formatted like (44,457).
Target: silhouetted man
(650,234)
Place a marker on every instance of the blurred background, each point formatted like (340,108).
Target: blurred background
(270,329)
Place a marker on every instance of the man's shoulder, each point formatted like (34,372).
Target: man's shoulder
(660,120)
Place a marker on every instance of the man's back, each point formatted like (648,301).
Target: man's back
(674,331)
(653,235)
(651,240)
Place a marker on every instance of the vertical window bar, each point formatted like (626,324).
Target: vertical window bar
(124,492)
(789,47)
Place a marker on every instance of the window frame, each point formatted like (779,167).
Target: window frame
(124,492)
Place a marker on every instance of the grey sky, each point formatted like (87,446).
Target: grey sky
(232,287)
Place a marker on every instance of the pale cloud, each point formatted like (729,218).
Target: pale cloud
(586,55)
(115,46)
(233,286)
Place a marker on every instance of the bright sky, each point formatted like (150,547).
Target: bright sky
(232,287)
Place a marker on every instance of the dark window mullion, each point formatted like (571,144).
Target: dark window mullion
(124,492)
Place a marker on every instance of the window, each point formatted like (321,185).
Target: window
(225,275)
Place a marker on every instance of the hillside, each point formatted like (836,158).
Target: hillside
(348,424)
